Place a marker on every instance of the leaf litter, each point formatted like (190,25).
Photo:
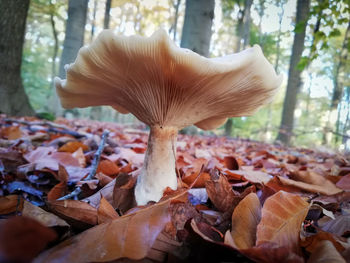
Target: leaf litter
(248,202)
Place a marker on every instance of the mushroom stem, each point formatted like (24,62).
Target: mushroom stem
(158,171)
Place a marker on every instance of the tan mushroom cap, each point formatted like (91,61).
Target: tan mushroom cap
(162,84)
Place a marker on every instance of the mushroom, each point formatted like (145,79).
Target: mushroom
(168,88)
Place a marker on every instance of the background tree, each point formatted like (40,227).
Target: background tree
(73,41)
(13,99)
(293,85)
(196,32)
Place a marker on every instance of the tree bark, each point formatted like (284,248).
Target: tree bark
(293,86)
(246,23)
(13,99)
(196,32)
(107,15)
(338,83)
(73,40)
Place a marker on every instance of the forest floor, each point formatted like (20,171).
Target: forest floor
(237,200)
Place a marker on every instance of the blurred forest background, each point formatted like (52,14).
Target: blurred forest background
(305,40)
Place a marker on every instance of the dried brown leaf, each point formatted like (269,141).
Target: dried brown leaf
(130,236)
(71,147)
(10,204)
(105,212)
(22,238)
(245,219)
(325,252)
(76,210)
(221,194)
(281,219)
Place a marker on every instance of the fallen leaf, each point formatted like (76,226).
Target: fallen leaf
(314,182)
(344,182)
(253,176)
(338,226)
(200,181)
(11,132)
(105,212)
(281,219)
(123,192)
(108,167)
(325,252)
(22,239)
(79,155)
(57,191)
(245,219)
(130,236)
(310,243)
(103,179)
(42,216)
(77,210)
(10,204)
(73,146)
(326,189)
(221,194)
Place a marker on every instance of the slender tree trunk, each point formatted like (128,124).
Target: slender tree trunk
(246,22)
(93,21)
(73,41)
(176,17)
(293,85)
(55,48)
(196,32)
(279,34)
(338,88)
(13,99)
(107,15)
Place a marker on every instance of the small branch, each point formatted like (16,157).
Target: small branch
(53,127)
(97,156)
(73,194)
(94,166)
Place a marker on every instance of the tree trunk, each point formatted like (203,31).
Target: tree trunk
(93,21)
(246,23)
(107,15)
(55,48)
(293,85)
(13,99)
(173,29)
(338,88)
(73,40)
(196,32)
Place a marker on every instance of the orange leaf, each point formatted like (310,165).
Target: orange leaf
(245,219)
(10,204)
(71,147)
(11,132)
(108,168)
(76,210)
(22,238)
(130,236)
(282,216)
(57,191)
(200,181)
(105,212)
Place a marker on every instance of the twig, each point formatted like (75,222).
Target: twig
(94,166)
(52,127)
(73,194)
(97,156)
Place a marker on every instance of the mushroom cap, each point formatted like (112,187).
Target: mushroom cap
(162,84)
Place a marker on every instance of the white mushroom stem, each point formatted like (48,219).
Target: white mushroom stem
(158,171)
